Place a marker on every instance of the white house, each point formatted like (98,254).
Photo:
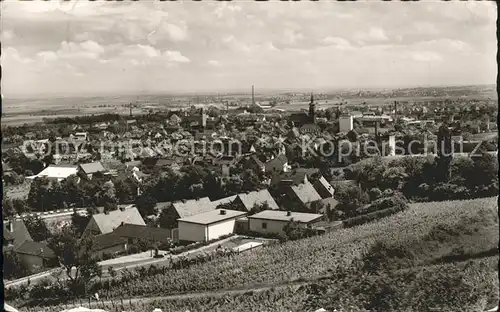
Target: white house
(273,221)
(209,225)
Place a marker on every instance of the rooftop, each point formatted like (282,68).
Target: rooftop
(192,207)
(36,249)
(213,216)
(56,171)
(92,167)
(283,216)
(251,199)
(306,192)
(107,222)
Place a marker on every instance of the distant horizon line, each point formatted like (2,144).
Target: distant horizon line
(233,91)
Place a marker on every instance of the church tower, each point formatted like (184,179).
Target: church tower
(312,116)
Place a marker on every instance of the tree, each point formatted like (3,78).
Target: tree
(352,136)
(146,205)
(8,209)
(350,199)
(394,178)
(12,266)
(444,154)
(374,193)
(125,188)
(38,195)
(75,256)
(107,197)
(258,208)
(37,228)
(79,222)
(251,181)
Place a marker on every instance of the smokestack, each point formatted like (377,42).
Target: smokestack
(253,95)
(395,110)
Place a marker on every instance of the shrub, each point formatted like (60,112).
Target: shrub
(374,193)
(365,218)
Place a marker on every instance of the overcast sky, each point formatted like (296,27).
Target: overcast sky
(151,46)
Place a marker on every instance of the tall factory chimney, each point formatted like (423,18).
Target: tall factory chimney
(253,95)
(395,110)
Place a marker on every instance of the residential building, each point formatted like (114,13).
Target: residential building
(223,201)
(108,244)
(323,187)
(183,209)
(15,233)
(135,234)
(80,136)
(247,201)
(273,221)
(225,163)
(346,123)
(103,223)
(295,177)
(87,170)
(301,196)
(277,165)
(252,162)
(209,225)
(35,256)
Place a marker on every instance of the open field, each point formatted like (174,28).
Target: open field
(420,251)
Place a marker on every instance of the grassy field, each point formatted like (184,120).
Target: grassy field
(433,250)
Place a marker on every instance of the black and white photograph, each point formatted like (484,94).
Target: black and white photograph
(244,156)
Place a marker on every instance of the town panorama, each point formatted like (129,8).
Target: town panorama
(240,156)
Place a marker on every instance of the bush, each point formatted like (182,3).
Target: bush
(362,219)
(396,200)
(374,193)
(279,236)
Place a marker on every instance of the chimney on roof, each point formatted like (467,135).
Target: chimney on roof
(11,225)
(122,223)
(222,212)
(122,208)
(288,213)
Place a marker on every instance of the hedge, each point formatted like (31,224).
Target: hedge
(373,216)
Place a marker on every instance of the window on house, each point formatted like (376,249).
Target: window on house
(264,225)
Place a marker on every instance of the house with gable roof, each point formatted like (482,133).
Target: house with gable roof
(15,233)
(171,212)
(247,201)
(35,256)
(103,223)
(87,170)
